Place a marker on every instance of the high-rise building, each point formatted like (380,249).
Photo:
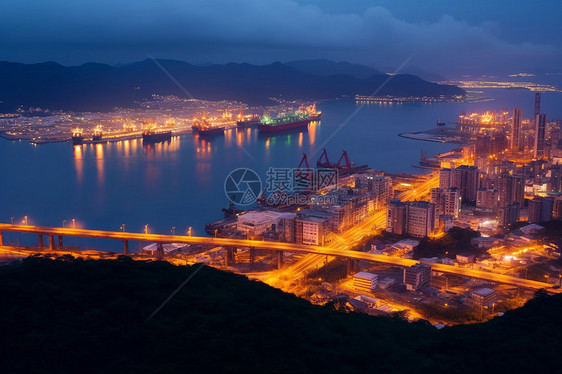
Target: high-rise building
(540,133)
(396,217)
(466,179)
(511,188)
(556,178)
(535,210)
(537,105)
(508,214)
(516,131)
(447,202)
(547,207)
(421,218)
(540,209)
(487,198)
(557,209)
(445,178)
(417,276)
(416,218)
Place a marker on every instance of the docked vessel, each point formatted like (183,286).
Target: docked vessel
(283,122)
(287,121)
(439,123)
(247,120)
(77,137)
(155,136)
(205,126)
(98,135)
(313,114)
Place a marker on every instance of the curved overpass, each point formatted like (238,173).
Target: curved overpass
(275,246)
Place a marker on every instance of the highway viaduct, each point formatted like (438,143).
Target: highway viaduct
(277,247)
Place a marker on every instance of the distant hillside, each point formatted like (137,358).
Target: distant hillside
(77,316)
(97,87)
(327,68)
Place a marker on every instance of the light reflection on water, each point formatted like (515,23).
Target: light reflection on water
(180,182)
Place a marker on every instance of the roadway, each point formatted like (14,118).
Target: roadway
(318,251)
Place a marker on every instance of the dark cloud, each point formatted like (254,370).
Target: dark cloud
(256,31)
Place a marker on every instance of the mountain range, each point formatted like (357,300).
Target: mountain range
(99,87)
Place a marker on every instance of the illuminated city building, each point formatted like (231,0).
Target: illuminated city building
(556,178)
(396,217)
(511,188)
(540,209)
(508,214)
(364,282)
(465,178)
(417,276)
(447,202)
(537,106)
(484,296)
(516,131)
(487,198)
(421,218)
(540,132)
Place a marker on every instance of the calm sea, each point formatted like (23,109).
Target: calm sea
(181,183)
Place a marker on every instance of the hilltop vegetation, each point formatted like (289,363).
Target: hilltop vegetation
(78,316)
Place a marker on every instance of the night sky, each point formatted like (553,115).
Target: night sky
(448,37)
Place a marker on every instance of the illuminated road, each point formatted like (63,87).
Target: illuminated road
(286,278)
(316,251)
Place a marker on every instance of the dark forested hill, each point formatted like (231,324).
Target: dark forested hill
(98,87)
(76,316)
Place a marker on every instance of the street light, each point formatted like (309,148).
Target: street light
(12,219)
(63,222)
(123,227)
(74,223)
(173,230)
(25,220)
(189,231)
(146,229)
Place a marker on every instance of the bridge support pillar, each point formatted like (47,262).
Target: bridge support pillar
(51,242)
(279,256)
(351,266)
(41,244)
(228,256)
(60,241)
(1,242)
(160,251)
(126,247)
(252,255)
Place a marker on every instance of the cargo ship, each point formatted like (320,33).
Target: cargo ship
(313,114)
(439,123)
(247,120)
(205,126)
(98,134)
(155,136)
(287,121)
(283,122)
(77,137)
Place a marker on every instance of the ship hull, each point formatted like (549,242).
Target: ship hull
(242,124)
(77,140)
(284,126)
(207,131)
(156,137)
